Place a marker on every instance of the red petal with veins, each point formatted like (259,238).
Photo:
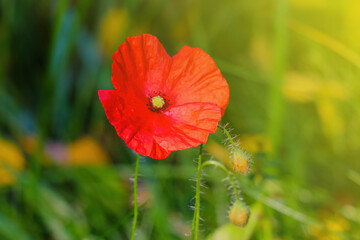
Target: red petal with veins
(132,122)
(194,77)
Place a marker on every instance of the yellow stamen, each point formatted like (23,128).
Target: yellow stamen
(157,102)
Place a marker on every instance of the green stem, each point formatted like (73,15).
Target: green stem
(135,197)
(222,167)
(195,225)
(228,135)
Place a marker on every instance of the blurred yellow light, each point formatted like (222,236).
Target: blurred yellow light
(309,3)
(300,88)
(334,224)
(337,224)
(352,23)
(112,28)
(86,151)
(10,157)
(254,143)
(219,152)
(261,52)
(332,119)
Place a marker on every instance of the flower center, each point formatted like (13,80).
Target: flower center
(157,102)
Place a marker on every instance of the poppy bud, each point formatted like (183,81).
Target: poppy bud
(241,161)
(239,214)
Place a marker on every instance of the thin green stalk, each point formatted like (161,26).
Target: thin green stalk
(119,223)
(135,197)
(276,101)
(228,135)
(195,225)
(221,166)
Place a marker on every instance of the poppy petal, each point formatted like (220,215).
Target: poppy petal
(187,125)
(142,63)
(131,123)
(194,77)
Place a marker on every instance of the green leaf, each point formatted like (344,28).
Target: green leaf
(10,230)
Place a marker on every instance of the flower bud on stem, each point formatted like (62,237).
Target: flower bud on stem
(241,160)
(239,214)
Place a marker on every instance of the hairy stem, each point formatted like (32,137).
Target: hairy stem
(135,197)
(228,135)
(221,166)
(195,225)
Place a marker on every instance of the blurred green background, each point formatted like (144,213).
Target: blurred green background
(294,73)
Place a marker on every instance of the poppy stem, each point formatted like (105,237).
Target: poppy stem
(195,225)
(230,175)
(228,135)
(135,197)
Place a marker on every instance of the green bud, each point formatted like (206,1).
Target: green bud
(241,161)
(239,214)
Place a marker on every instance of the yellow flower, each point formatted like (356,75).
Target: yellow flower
(11,161)
(86,151)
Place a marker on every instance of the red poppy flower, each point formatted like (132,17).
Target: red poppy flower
(161,103)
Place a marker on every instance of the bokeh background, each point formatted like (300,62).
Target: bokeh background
(294,73)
